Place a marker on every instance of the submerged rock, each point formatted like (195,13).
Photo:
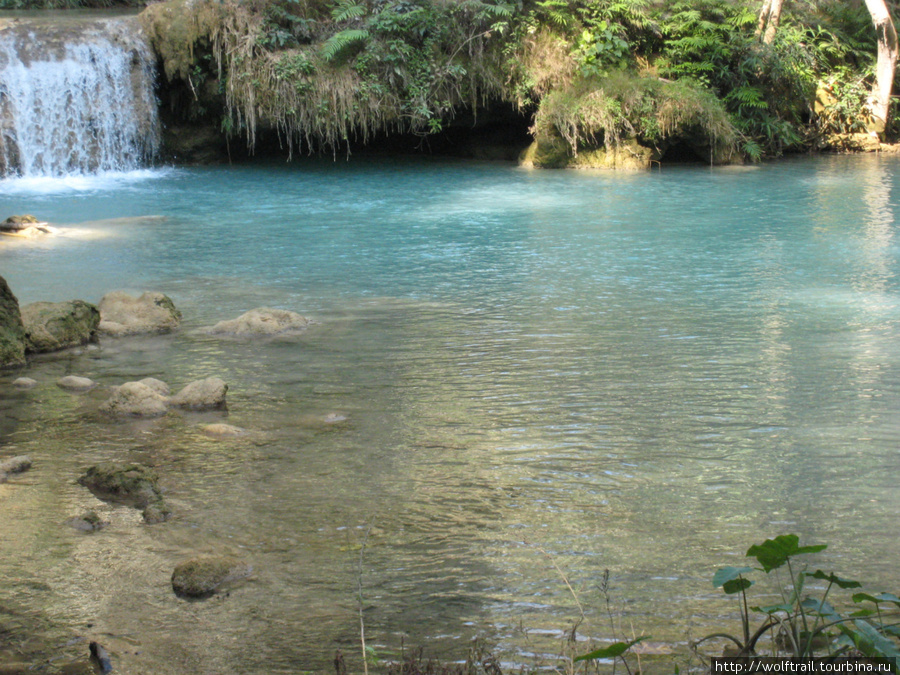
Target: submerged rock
(157,512)
(262,322)
(221,430)
(24,383)
(122,314)
(202,394)
(12,331)
(51,326)
(200,577)
(136,399)
(75,383)
(132,484)
(88,522)
(14,465)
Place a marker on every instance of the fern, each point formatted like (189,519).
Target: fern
(558,12)
(348,9)
(339,43)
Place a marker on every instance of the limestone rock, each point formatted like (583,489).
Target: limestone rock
(136,399)
(262,322)
(12,332)
(122,314)
(202,394)
(201,576)
(24,382)
(51,326)
(75,383)
(14,465)
(158,386)
(131,484)
(17,223)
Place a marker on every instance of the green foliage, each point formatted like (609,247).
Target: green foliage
(408,65)
(802,624)
(68,4)
(340,43)
(607,111)
(615,650)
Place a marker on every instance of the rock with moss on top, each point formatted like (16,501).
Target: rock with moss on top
(200,577)
(131,484)
(12,331)
(51,326)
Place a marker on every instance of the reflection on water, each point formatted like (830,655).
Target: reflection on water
(642,373)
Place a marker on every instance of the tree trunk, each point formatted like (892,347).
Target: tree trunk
(887,60)
(769,16)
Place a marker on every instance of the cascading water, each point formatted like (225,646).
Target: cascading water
(76,97)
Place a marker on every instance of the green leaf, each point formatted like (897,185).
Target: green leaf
(864,597)
(773,553)
(736,586)
(726,574)
(614,650)
(338,42)
(880,644)
(835,579)
(771,609)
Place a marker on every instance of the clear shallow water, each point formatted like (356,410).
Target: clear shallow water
(643,373)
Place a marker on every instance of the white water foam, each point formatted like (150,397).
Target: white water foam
(76,102)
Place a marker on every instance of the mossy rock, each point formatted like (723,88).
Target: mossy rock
(51,326)
(131,484)
(550,152)
(201,576)
(12,331)
(546,153)
(157,512)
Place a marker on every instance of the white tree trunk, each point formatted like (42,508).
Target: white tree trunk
(887,61)
(774,18)
(770,20)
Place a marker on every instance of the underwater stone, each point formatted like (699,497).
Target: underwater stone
(131,484)
(262,322)
(201,576)
(24,383)
(14,465)
(75,383)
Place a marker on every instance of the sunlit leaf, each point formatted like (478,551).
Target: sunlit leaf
(614,650)
(773,553)
(726,574)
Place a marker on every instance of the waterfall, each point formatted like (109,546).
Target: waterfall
(76,97)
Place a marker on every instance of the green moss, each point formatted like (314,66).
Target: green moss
(12,331)
(200,577)
(132,484)
(50,326)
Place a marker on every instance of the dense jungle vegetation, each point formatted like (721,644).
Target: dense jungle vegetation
(600,82)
